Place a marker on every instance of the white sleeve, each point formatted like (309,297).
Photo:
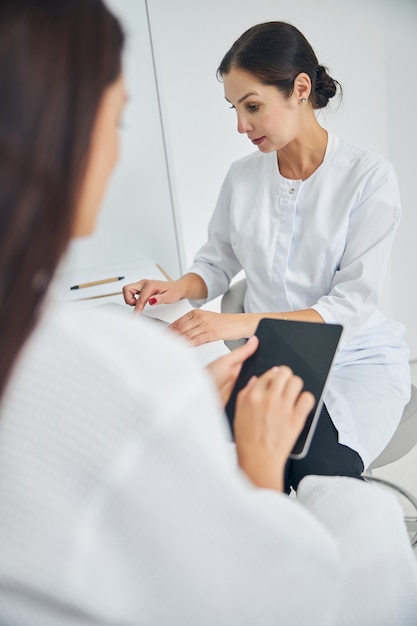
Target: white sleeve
(185,539)
(358,281)
(216,262)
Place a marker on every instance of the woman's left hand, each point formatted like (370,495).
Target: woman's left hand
(225,369)
(200,326)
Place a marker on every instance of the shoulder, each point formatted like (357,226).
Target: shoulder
(117,367)
(253,162)
(98,331)
(359,158)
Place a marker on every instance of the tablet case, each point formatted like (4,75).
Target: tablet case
(308,348)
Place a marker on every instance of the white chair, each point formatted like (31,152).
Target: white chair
(404,439)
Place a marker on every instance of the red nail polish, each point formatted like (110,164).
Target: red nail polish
(152,300)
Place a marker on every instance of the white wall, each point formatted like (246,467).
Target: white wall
(368,45)
(137,223)
(401,91)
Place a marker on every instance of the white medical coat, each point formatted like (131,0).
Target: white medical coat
(321,243)
(120,502)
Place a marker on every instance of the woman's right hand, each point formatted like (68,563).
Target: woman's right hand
(270,413)
(190,286)
(153,291)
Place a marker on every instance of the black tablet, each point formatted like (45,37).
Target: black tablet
(308,348)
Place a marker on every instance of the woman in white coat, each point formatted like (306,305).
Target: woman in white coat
(311,219)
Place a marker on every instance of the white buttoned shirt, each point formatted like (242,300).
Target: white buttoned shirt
(321,243)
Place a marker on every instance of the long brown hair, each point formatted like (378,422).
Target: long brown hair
(57,57)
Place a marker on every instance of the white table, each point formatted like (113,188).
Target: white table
(110,294)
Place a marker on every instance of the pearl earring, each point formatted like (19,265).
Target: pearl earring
(303,100)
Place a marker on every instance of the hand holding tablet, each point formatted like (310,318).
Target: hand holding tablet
(308,349)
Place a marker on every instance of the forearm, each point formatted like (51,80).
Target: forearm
(264,471)
(192,287)
(247,323)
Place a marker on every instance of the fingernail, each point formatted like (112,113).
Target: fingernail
(152,300)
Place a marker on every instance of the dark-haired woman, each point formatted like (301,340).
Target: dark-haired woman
(310,218)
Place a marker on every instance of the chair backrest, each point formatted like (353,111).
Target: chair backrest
(232,302)
(404,438)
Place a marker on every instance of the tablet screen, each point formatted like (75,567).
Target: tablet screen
(308,348)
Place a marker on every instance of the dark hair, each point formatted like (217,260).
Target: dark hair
(57,57)
(276,52)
